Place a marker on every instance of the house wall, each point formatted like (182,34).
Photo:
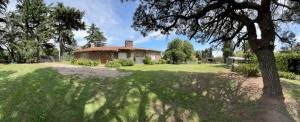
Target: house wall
(141,54)
(103,57)
(154,55)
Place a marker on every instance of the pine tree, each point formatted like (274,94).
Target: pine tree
(3,4)
(66,19)
(95,36)
(33,17)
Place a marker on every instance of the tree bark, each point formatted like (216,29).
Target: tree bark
(269,73)
(61,47)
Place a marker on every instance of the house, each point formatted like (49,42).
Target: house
(104,54)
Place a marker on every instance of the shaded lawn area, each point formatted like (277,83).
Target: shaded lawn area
(213,68)
(36,93)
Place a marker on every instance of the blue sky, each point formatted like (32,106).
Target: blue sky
(115,19)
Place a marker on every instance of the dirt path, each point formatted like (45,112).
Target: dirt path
(86,72)
(271,110)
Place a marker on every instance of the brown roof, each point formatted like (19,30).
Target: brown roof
(112,48)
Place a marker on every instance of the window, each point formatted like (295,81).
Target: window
(84,55)
(122,55)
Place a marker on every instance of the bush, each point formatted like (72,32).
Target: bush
(282,60)
(247,69)
(73,61)
(84,62)
(148,61)
(287,75)
(126,62)
(113,63)
(162,61)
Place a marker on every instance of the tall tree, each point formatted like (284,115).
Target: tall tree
(179,51)
(95,36)
(66,19)
(207,53)
(188,49)
(227,49)
(3,4)
(198,55)
(174,51)
(10,41)
(33,17)
(213,20)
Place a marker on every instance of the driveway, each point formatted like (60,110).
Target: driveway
(86,72)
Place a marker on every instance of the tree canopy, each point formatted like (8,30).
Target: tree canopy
(95,36)
(179,51)
(27,31)
(3,4)
(66,19)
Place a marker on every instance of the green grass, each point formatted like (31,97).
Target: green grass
(181,67)
(33,92)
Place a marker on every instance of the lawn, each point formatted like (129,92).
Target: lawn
(33,92)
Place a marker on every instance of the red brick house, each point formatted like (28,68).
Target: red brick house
(104,54)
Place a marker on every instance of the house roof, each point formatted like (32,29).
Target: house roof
(113,48)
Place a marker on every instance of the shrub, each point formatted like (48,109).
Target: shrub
(282,60)
(162,61)
(247,69)
(84,62)
(95,63)
(73,61)
(148,61)
(126,62)
(113,63)
(287,75)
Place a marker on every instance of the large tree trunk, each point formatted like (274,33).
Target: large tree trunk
(269,73)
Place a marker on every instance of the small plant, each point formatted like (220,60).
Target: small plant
(84,62)
(246,69)
(73,61)
(162,61)
(113,63)
(287,75)
(126,62)
(148,61)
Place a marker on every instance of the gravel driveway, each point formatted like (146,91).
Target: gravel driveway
(86,72)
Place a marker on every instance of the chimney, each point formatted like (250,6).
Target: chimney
(92,45)
(129,43)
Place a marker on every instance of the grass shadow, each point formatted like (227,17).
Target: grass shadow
(45,95)
(6,74)
(294,91)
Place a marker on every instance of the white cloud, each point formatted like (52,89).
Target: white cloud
(79,37)
(151,36)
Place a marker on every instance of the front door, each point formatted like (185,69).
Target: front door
(104,57)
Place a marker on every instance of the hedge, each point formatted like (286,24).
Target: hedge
(120,62)
(283,58)
(247,69)
(84,62)
(287,75)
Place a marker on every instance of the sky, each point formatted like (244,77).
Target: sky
(115,19)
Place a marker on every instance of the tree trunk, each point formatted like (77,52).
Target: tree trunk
(269,73)
(61,48)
